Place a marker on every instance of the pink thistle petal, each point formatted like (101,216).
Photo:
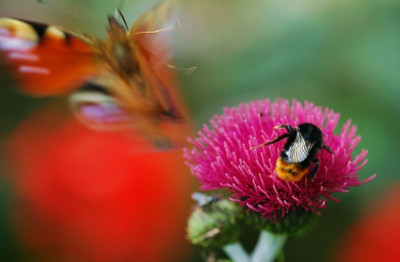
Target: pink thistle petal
(222,157)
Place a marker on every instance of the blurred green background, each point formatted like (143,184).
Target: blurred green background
(342,54)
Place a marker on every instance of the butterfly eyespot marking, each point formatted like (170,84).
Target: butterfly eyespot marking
(19,29)
(17,35)
(299,152)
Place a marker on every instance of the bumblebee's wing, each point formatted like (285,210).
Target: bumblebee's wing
(44,59)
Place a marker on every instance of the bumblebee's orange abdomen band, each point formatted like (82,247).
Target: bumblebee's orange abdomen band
(289,171)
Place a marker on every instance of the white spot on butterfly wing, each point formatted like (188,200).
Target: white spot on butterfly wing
(12,43)
(23,56)
(34,70)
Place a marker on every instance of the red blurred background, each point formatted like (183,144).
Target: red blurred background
(81,195)
(376,235)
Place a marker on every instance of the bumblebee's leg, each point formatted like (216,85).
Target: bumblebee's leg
(287,126)
(314,170)
(276,139)
(327,148)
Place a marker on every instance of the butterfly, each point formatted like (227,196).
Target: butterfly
(124,80)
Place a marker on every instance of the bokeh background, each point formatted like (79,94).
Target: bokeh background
(342,54)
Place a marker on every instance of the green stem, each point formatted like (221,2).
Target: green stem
(236,252)
(267,247)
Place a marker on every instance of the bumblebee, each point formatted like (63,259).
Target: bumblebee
(299,152)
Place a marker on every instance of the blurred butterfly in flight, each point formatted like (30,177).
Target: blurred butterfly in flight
(125,80)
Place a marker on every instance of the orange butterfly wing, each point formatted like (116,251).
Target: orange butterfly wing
(44,59)
(153,50)
(152,37)
(51,61)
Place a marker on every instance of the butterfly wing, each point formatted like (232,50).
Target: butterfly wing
(152,36)
(50,61)
(44,59)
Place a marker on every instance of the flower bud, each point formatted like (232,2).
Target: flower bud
(214,223)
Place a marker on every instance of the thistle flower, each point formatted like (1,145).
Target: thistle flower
(223,158)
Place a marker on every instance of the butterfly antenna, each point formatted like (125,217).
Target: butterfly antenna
(118,14)
(121,4)
(172,27)
(185,70)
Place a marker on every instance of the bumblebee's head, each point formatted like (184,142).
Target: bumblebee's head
(310,132)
